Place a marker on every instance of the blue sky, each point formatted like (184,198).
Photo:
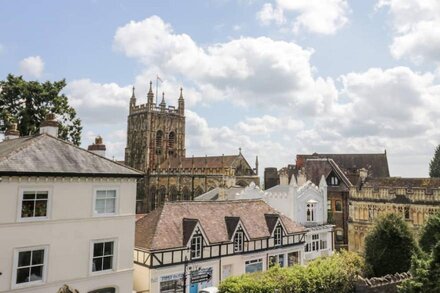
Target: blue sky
(276,78)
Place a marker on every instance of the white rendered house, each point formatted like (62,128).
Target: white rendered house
(304,203)
(66,218)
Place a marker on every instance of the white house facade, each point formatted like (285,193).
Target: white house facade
(304,203)
(195,245)
(66,218)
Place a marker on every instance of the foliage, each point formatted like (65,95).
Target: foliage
(27,103)
(426,274)
(430,234)
(336,273)
(434,165)
(389,246)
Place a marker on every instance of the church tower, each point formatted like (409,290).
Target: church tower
(154,132)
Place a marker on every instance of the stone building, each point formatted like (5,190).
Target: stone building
(341,172)
(156,145)
(413,198)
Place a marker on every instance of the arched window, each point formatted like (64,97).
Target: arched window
(173,193)
(161,197)
(186,193)
(311,211)
(171,140)
(198,191)
(159,136)
(153,197)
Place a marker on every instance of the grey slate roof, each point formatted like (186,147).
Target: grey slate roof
(45,155)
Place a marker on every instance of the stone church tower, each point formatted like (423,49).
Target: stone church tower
(154,132)
(156,145)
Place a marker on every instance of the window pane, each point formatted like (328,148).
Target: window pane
(24,258)
(101,194)
(108,248)
(97,264)
(37,273)
(22,275)
(27,209)
(111,193)
(42,195)
(38,257)
(28,195)
(98,249)
(40,208)
(100,206)
(107,263)
(110,206)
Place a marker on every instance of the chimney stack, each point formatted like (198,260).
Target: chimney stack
(49,125)
(98,147)
(12,132)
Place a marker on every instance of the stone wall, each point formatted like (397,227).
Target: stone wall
(385,284)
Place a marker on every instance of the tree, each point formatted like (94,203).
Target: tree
(434,166)
(389,246)
(430,234)
(27,103)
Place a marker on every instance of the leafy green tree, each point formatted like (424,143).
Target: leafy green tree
(434,166)
(27,103)
(389,246)
(430,234)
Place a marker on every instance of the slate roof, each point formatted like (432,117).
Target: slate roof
(398,182)
(44,155)
(163,228)
(349,164)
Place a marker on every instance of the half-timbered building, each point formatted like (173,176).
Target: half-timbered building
(195,245)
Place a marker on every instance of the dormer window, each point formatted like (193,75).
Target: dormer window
(311,211)
(238,241)
(196,247)
(278,236)
(334,181)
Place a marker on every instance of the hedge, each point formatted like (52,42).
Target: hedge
(336,273)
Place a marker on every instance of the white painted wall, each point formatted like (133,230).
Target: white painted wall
(68,232)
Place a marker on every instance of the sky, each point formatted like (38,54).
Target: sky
(275,78)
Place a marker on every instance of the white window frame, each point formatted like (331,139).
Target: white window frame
(312,208)
(278,239)
(14,284)
(95,194)
(238,241)
(199,247)
(254,261)
(114,260)
(20,204)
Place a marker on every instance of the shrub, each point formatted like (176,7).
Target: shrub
(430,234)
(336,273)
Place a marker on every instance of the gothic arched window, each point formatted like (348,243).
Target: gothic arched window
(159,136)
(186,193)
(161,197)
(311,211)
(171,140)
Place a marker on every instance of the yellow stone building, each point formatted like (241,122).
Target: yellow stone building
(413,198)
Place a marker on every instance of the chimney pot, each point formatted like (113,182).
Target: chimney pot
(12,132)
(50,125)
(98,147)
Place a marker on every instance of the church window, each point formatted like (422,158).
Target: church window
(171,140)
(407,213)
(159,136)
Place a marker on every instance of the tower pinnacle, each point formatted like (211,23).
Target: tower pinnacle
(150,95)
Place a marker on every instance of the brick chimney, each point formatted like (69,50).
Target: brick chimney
(12,132)
(49,125)
(98,147)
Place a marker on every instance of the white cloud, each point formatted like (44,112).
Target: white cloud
(316,16)
(246,71)
(33,66)
(268,14)
(99,103)
(416,29)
